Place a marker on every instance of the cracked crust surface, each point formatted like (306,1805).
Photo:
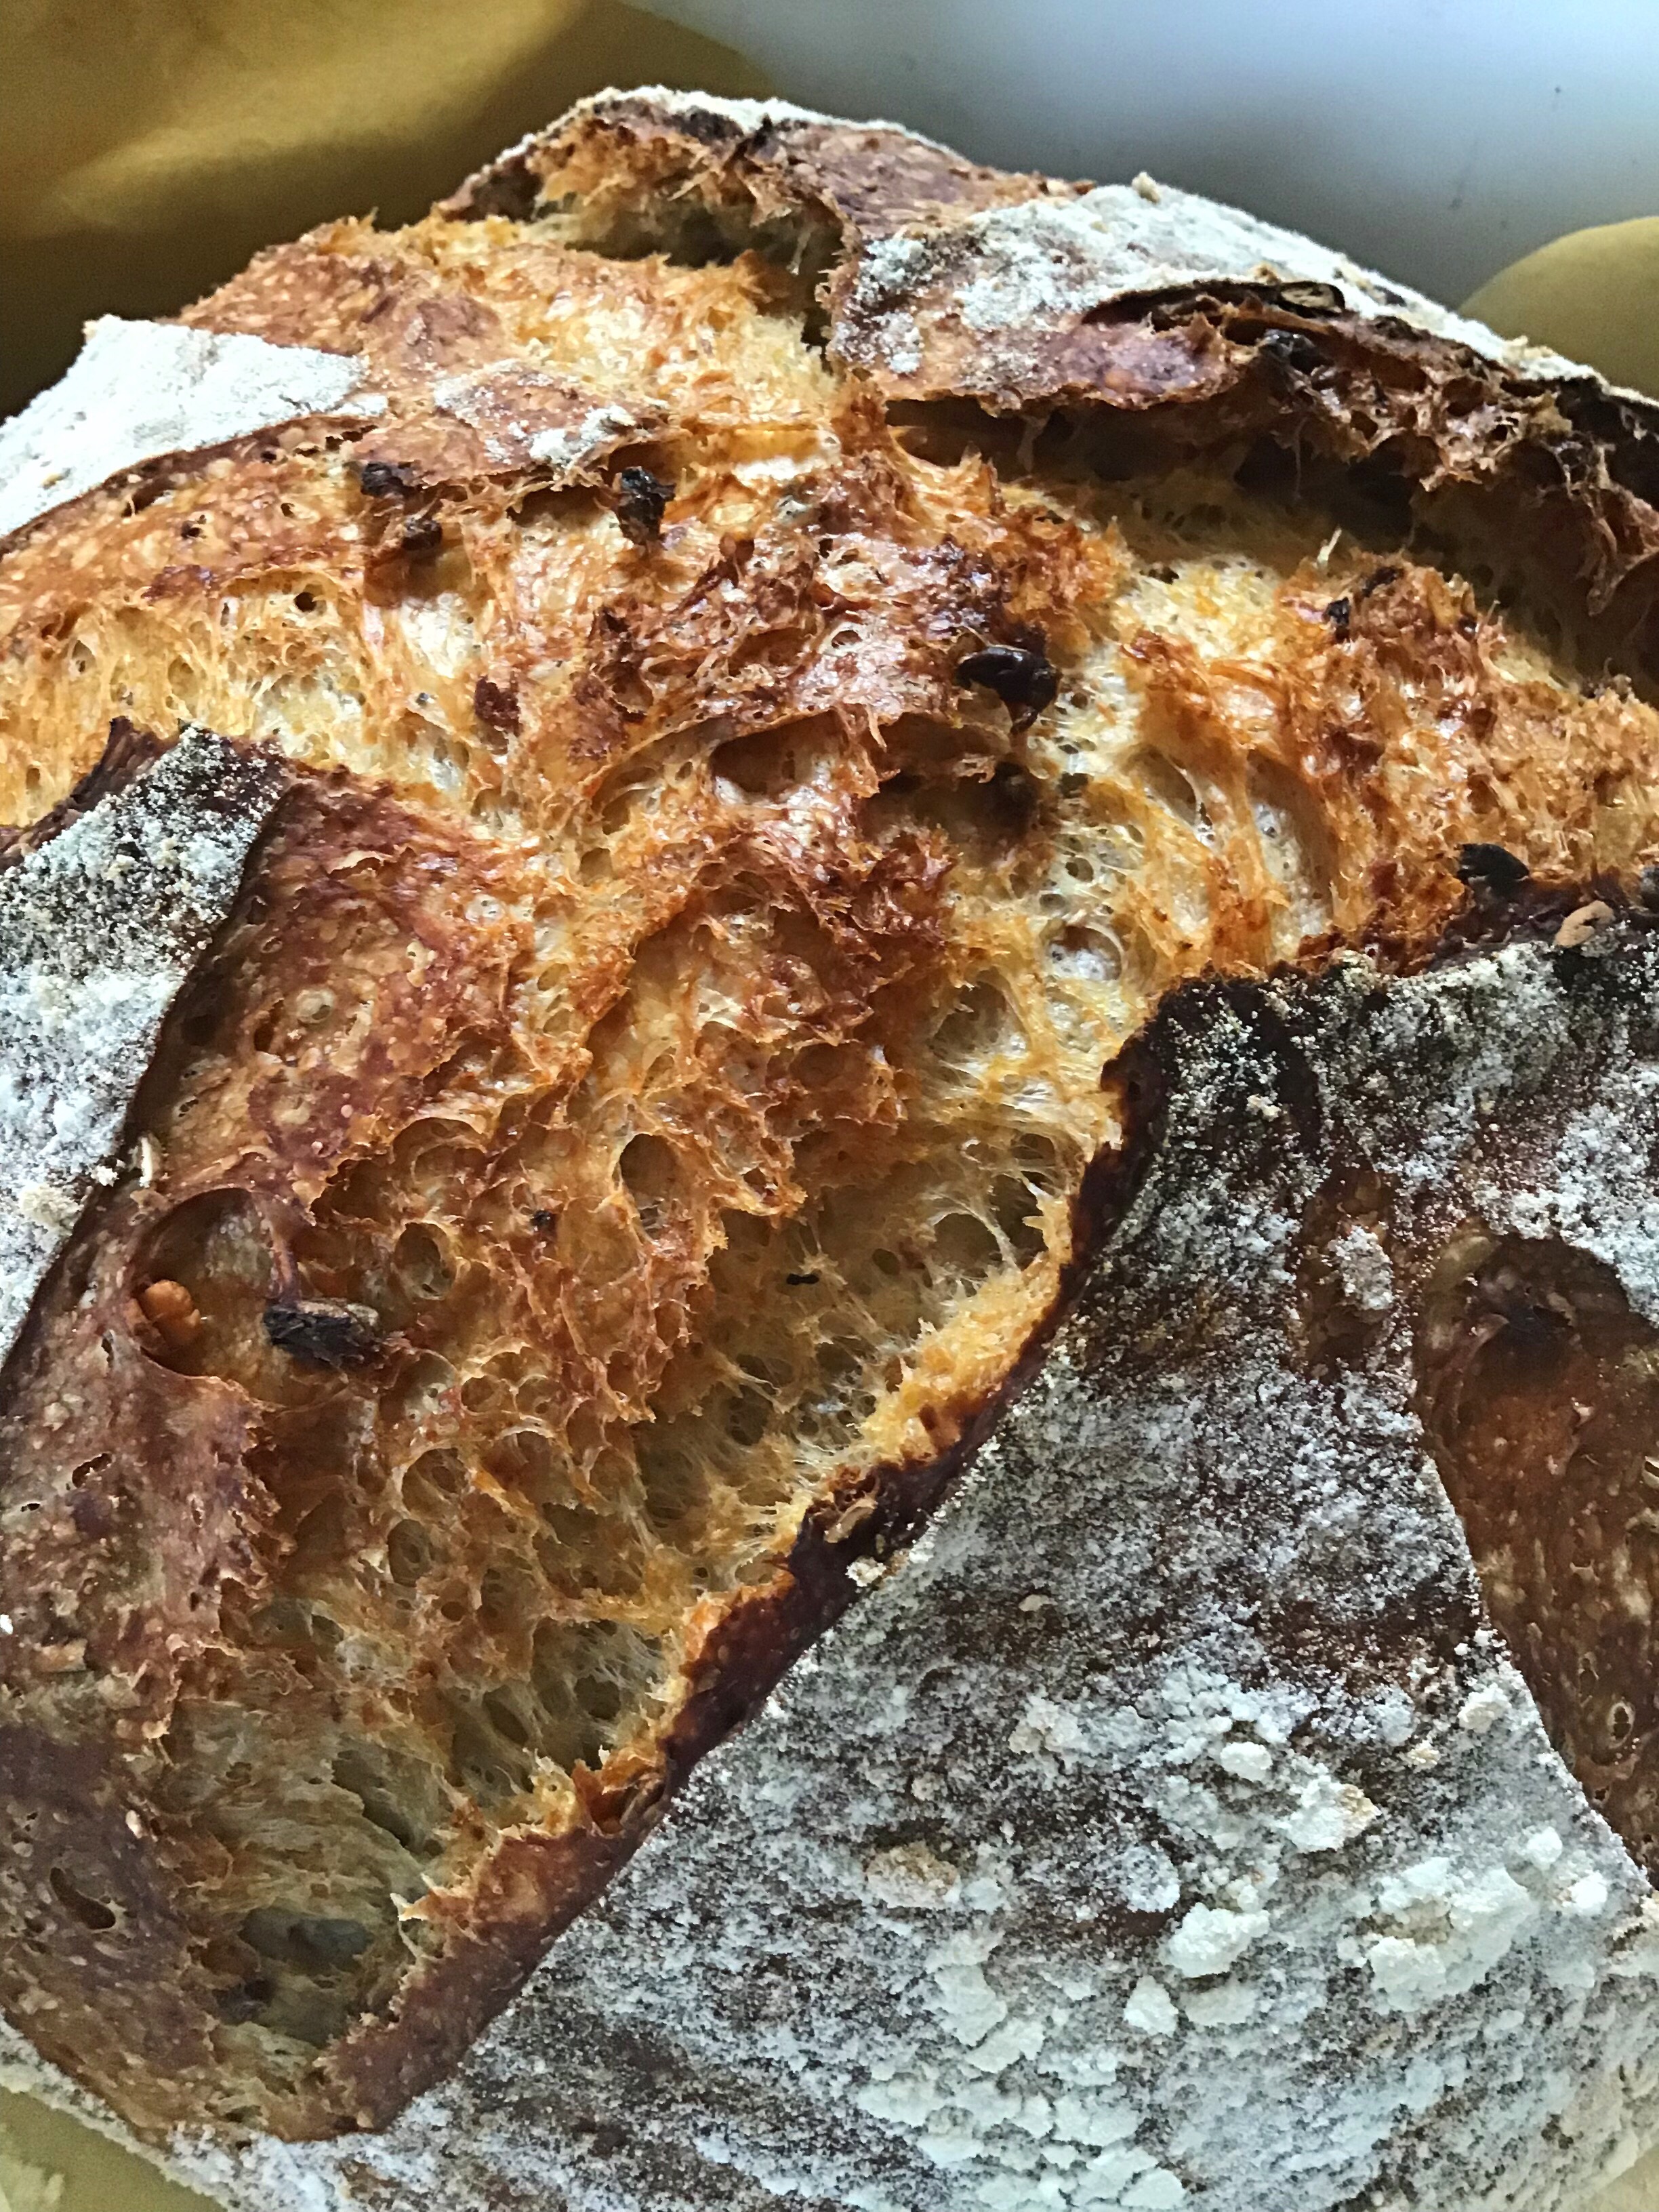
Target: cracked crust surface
(634,1132)
(1186,1834)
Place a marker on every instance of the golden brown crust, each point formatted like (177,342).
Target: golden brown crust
(633,1133)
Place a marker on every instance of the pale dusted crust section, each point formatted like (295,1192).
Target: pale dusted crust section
(100,928)
(139,391)
(639,1123)
(1170,1830)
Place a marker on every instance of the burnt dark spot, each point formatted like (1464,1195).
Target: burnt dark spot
(798,1279)
(246,2001)
(1022,677)
(641,499)
(91,1911)
(322,1331)
(389,480)
(1491,868)
(1338,614)
(1388,573)
(1292,350)
(545,1220)
(422,538)
(497,706)
(1309,297)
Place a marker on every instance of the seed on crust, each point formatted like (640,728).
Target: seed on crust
(171,1311)
(389,480)
(1583,923)
(497,706)
(324,1331)
(422,539)
(1491,868)
(1025,680)
(641,499)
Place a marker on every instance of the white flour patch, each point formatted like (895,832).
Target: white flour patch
(99,929)
(1015,1906)
(138,391)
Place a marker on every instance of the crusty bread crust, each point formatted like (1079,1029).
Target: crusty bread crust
(818,639)
(109,901)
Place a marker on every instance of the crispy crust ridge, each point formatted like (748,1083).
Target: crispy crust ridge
(932,295)
(868,178)
(534,1886)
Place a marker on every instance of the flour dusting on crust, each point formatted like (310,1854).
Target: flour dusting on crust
(1171,1829)
(1019,274)
(137,391)
(99,930)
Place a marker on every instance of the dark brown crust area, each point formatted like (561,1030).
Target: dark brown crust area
(631,1140)
(870,179)
(138,1527)
(1538,1385)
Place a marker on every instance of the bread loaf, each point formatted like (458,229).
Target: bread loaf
(862,785)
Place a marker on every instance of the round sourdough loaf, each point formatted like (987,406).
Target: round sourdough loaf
(756,807)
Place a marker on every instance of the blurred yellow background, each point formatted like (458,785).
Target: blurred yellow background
(49,2163)
(1593,295)
(147,150)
